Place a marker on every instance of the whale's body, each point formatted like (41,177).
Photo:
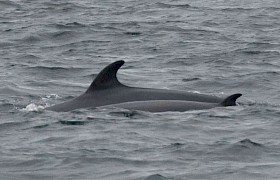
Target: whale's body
(173,105)
(106,90)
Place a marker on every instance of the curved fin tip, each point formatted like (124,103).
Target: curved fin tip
(107,77)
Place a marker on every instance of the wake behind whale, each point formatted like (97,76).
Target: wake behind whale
(106,90)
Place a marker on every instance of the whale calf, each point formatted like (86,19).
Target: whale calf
(173,105)
(106,89)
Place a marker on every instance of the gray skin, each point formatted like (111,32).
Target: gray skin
(106,90)
(172,105)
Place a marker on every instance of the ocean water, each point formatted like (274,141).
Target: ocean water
(50,51)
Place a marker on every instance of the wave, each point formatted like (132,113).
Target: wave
(35,38)
(72,25)
(73,45)
(55,68)
(10,125)
(156,177)
(245,9)
(243,150)
(6,44)
(237,9)
(247,143)
(13,90)
(6,107)
(62,35)
(165,5)
(29,57)
(191,79)
(64,6)
(30,39)
(258,52)
(73,122)
(265,45)
(262,74)
(133,33)
(9,4)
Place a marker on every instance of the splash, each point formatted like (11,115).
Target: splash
(33,108)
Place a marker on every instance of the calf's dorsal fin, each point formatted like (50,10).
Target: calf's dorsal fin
(107,78)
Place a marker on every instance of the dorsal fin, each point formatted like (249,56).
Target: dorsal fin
(231,100)
(107,77)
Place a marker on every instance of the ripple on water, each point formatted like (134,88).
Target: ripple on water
(155,177)
(176,6)
(244,150)
(67,26)
(9,4)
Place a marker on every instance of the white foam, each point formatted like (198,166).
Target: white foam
(33,108)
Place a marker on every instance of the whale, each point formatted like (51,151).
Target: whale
(172,105)
(106,89)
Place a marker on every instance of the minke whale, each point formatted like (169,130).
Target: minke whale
(106,89)
(172,105)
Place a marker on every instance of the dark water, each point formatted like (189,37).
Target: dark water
(51,50)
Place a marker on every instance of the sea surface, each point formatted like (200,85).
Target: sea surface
(50,51)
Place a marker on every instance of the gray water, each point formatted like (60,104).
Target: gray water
(50,51)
